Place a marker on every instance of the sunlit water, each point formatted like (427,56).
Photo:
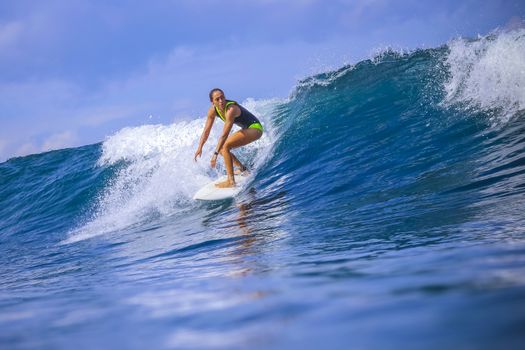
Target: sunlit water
(386,210)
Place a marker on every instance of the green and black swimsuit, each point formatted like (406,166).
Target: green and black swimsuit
(245,120)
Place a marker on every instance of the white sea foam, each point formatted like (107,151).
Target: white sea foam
(488,73)
(321,79)
(382,53)
(157,174)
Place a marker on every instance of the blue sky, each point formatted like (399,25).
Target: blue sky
(73,72)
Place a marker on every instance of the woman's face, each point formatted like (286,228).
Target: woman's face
(218,99)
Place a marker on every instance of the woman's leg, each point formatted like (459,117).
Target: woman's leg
(237,162)
(238,139)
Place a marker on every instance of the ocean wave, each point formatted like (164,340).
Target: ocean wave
(155,173)
(488,74)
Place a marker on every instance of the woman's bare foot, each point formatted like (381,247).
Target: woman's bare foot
(225,184)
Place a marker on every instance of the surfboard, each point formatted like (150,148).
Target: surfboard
(212,193)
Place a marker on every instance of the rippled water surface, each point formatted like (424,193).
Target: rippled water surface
(385,211)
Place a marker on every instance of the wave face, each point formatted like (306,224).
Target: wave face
(386,210)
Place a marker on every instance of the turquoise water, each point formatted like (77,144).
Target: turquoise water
(386,211)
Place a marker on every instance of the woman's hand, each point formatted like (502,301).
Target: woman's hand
(213,161)
(198,153)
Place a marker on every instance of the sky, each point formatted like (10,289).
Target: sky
(74,72)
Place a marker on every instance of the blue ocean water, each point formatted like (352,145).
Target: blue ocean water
(386,211)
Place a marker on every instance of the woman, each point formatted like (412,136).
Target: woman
(231,113)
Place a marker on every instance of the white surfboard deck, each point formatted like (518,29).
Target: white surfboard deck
(212,193)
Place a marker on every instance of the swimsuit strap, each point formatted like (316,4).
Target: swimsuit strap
(228,103)
(243,120)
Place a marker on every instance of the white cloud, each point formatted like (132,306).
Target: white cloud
(25,149)
(3,144)
(9,34)
(59,140)
(357,9)
(100,115)
(64,139)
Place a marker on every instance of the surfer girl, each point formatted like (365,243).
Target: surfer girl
(231,113)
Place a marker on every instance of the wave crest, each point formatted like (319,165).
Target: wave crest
(488,73)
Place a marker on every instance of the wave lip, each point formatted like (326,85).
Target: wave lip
(488,73)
